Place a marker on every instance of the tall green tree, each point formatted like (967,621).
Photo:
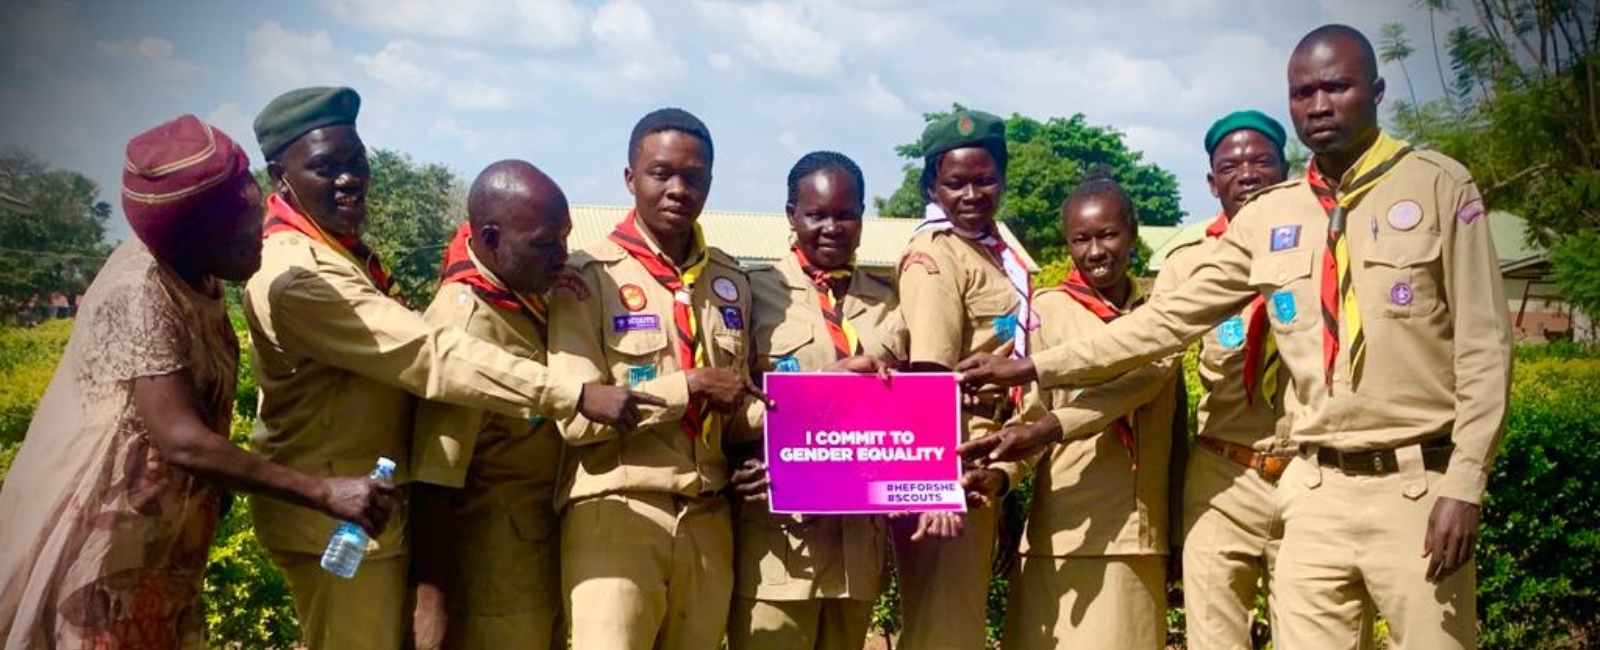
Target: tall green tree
(1528,124)
(54,241)
(1047,158)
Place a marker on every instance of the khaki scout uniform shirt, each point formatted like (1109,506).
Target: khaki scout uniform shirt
(592,339)
(504,469)
(1090,499)
(1427,281)
(337,362)
(952,294)
(1224,412)
(794,557)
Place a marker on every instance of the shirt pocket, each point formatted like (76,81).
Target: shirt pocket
(1293,301)
(636,355)
(1399,276)
(992,312)
(784,353)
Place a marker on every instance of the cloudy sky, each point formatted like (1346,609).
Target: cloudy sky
(561,82)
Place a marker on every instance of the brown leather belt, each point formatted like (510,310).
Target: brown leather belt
(991,406)
(1269,465)
(1378,462)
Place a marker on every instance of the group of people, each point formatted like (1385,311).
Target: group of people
(578,435)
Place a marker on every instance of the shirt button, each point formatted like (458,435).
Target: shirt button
(1282,277)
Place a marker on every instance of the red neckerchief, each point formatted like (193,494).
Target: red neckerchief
(830,292)
(1256,333)
(659,267)
(459,267)
(1079,290)
(282,217)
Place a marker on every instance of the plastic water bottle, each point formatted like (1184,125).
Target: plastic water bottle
(348,545)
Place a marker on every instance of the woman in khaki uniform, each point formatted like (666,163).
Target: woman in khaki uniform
(806,582)
(1092,572)
(962,291)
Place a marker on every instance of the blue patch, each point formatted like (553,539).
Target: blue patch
(732,318)
(787,364)
(1283,306)
(1231,332)
(537,421)
(1285,237)
(1005,327)
(635,322)
(640,374)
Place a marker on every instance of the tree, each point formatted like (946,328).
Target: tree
(1528,124)
(1394,47)
(1047,158)
(56,243)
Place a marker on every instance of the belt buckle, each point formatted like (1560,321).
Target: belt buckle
(1377,463)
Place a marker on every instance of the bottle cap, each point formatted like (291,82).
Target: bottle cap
(385,465)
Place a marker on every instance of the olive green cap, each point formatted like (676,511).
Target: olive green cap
(301,111)
(1253,120)
(963,128)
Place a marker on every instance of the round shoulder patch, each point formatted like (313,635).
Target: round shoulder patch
(725,289)
(1404,215)
(632,297)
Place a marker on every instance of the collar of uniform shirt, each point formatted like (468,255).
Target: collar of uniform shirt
(1382,150)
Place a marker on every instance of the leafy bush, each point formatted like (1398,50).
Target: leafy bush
(28,358)
(1539,556)
(246,599)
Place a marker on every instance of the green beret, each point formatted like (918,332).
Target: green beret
(963,128)
(1254,120)
(298,112)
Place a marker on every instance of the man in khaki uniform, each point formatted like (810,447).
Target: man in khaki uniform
(337,361)
(962,290)
(808,582)
(1394,329)
(485,560)
(646,540)
(1231,529)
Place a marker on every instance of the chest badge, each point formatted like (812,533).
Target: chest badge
(1231,332)
(634,323)
(1285,237)
(1283,306)
(787,364)
(732,318)
(1401,294)
(1404,215)
(640,374)
(633,297)
(725,289)
(1005,327)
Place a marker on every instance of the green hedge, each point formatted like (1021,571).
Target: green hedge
(1538,561)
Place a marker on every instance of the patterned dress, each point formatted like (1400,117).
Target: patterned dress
(104,543)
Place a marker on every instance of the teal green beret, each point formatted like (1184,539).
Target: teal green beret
(298,112)
(963,128)
(1253,120)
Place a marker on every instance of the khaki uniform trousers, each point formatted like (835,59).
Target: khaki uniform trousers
(1114,602)
(367,612)
(944,583)
(661,576)
(815,624)
(1230,544)
(1354,542)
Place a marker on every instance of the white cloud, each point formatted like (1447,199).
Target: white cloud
(154,55)
(625,36)
(145,46)
(235,123)
(880,100)
(395,65)
(281,60)
(781,37)
(478,96)
(542,24)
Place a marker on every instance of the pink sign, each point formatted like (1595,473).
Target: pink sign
(850,444)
